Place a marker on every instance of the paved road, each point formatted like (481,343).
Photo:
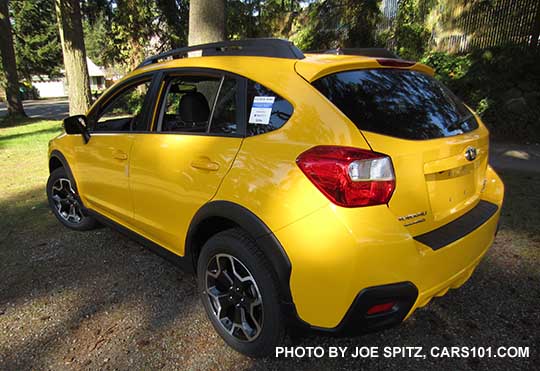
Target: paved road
(54,109)
(521,157)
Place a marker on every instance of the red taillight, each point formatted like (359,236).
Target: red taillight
(349,177)
(387,62)
(381,308)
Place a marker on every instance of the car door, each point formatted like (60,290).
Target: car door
(178,168)
(103,163)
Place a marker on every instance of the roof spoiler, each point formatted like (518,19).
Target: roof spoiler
(263,47)
(364,52)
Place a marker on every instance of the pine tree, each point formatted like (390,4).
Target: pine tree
(35,37)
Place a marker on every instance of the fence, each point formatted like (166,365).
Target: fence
(462,25)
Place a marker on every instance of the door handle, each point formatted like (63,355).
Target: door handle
(119,155)
(205,164)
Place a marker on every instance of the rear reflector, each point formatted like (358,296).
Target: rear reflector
(381,308)
(349,177)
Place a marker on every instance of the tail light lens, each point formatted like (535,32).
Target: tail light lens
(349,177)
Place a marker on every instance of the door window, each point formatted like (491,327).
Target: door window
(187,104)
(224,118)
(124,112)
(199,104)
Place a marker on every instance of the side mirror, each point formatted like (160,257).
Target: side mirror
(77,125)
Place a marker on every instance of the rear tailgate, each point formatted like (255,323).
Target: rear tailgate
(435,183)
(438,147)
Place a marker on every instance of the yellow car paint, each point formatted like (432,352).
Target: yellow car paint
(334,252)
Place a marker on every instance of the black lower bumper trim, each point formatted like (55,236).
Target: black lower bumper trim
(460,227)
(356,321)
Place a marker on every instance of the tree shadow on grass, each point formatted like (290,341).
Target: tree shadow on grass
(8,121)
(5,139)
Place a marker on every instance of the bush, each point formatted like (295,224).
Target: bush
(501,84)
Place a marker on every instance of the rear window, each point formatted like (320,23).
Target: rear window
(400,103)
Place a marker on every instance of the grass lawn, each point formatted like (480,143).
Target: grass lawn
(24,172)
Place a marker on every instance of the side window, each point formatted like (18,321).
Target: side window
(124,111)
(187,103)
(224,118)
(267,111)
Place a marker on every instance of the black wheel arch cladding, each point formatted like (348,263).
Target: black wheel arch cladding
(255,227)
(58,156)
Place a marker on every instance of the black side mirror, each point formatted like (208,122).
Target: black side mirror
(77,125)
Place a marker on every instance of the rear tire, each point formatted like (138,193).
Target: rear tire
(65,203)
(240,293)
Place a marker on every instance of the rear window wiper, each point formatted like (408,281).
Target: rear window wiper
(459,123)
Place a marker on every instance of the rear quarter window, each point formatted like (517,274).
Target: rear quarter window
(399,103)
(266,110)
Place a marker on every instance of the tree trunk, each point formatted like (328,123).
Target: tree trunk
(14,104)
(536,29)
(68,13)
(206,21)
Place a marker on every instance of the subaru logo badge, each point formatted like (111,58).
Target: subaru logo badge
(470,153)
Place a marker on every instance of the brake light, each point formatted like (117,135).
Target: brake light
(387,62)
(349,177)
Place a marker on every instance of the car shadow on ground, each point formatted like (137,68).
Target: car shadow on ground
(98,300)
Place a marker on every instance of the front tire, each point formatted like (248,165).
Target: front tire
(240,293)
(65,203)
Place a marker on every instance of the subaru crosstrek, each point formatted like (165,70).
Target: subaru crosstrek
(336,191)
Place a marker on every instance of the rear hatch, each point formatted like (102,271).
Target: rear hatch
(438,149)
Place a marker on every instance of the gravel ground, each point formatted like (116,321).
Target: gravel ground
(96,300)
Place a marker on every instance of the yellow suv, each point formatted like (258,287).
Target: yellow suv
(336,191)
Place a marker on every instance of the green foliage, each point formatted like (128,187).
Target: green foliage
(95,34)
(122,33)
(448,66)
(260,18)
(36,39)
(410,32)
(500,84)
(330,24)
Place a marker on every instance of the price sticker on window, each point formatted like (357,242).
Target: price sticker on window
(261,110)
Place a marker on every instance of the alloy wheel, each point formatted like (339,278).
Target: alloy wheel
(234,297)
(66,201)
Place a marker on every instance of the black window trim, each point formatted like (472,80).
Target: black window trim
(240,99)
(149,99)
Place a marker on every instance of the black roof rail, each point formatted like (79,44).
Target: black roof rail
(263,47)
(364,52)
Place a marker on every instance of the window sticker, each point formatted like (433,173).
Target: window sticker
(261,110)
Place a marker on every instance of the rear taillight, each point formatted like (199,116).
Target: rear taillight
(349,177)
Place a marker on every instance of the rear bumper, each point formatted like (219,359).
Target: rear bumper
(342,262)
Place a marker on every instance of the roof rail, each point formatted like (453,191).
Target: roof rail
(364,52)
(263,47)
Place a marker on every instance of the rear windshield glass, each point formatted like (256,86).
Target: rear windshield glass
(400,103)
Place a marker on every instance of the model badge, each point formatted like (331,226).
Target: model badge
(470,153)
(407,218)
